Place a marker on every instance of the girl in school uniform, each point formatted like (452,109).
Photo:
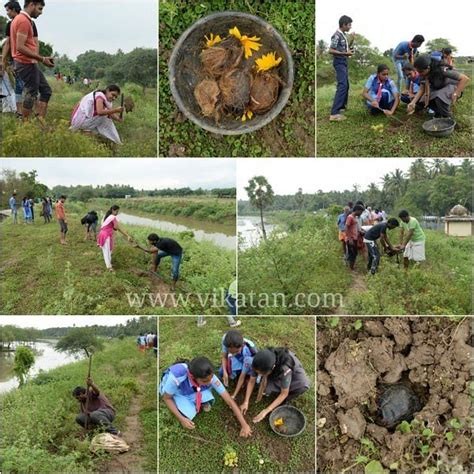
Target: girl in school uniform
(186,389)
(236,351)
(282,375)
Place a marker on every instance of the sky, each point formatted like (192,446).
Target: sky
(141,173)
(399,21)
(44,322)
(328,174)
(75,26)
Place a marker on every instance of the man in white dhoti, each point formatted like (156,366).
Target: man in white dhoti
(412,239)
(95,113)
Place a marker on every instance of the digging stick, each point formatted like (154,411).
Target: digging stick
(87,394)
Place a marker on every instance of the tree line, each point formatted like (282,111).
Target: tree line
(429,187)
(26,184)
(133,327)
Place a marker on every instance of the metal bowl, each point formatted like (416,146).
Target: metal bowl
(185,63)
(294,421)
(439,127)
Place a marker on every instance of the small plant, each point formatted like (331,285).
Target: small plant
(24,361)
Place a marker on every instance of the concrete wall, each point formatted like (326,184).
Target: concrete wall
(459,228)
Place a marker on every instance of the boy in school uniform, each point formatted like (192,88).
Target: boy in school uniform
(340,50)
(186,388)
(236,351)
(406,51)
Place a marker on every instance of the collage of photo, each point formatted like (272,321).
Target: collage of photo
(236,237)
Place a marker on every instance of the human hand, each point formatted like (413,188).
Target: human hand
(89,382)
(245,431)
(225,379)
(374,104)
(48,61)
(388,112)
(187,423)
(411,108)
(260,416)
(244,408)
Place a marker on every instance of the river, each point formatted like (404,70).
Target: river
(250,231)
(46,358)
(222,235)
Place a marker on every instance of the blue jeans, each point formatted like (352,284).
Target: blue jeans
(231,303)
(374,257)
(398,63)
(342,89)
(176,262)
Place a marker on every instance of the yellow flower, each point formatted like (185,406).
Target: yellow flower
(267,61)
(248,43)
(212,40)
(248,114)
(278,422)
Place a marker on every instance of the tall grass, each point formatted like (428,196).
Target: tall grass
(138,131)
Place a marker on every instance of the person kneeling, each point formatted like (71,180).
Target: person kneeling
(381,93)
(96,410)
(186,388)
(95,113)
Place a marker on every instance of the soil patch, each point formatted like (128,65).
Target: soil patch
(431,355)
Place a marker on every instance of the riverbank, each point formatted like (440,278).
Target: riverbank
(39,433)
(40,276)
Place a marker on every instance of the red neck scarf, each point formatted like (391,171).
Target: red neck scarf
(198,391)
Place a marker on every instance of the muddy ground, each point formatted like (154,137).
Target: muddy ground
(359,359)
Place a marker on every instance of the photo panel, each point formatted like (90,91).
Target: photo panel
(237,398)
(132,239)
(355,237)
(78,394)
(73,85)
(394,393)
(237,79)
(393,88)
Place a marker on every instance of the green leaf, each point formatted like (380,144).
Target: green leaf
(374,467)
(361,459)
(334,321)
(358,325)
(455,423)
(425,449)
(405,427)
(427,433)
(449,436)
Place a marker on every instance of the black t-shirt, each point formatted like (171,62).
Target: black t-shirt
(376,231)
(169,246)
(9,26)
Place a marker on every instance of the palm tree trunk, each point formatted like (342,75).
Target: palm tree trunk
(263,225)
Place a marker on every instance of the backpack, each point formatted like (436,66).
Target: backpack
(437,67)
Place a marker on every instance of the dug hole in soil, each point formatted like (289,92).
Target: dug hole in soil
(430,358)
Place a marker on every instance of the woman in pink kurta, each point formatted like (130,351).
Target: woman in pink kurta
(105,239)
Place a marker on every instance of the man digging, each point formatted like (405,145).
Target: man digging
(96,410)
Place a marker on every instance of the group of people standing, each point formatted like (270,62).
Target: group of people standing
(361,230)
(186,386)
(431,81)
(28,207)
(25,87)
(148,341)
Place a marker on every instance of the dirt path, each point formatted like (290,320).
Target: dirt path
(358,285)
(159,287)
(130,462)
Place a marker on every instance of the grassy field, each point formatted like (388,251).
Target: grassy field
(178,451)
(138,131)
(201,208)
(308,260)
(292,132)
(39,433)
(355,137)
(40,276)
